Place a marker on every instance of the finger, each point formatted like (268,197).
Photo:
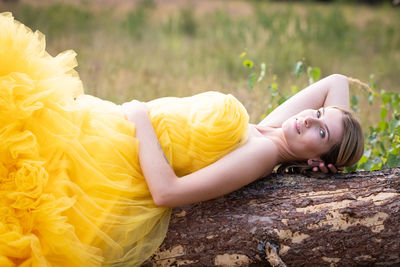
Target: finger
(315,169)
(323,168)
(332,168)
(313,163)
(340,169)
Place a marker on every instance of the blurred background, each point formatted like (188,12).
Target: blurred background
(146,49)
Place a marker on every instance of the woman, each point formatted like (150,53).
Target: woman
(72,189)
(311,126)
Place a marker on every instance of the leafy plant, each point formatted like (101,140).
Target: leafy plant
(382,146)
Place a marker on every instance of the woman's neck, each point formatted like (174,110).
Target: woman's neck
(277,137)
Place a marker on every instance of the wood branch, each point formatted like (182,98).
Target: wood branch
(343,219)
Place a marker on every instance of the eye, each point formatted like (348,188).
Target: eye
(322,133)
(318,113)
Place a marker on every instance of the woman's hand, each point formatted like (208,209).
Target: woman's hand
(134,110)
(320,166)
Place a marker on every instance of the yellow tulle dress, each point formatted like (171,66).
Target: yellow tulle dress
(71,189)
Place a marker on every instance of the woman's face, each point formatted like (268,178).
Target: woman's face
(311,132)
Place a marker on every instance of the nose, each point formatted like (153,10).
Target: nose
(309,121)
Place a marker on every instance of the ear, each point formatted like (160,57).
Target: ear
(314,162)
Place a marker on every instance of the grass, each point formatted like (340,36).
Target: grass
(148,51)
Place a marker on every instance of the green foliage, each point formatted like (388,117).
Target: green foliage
(313,74)
(143,51)
(248,63)
(298,68)
(55,20)
(183,23)
(382,141)
(136,20)
(253,76)
(187,21)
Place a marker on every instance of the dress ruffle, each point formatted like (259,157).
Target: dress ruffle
(71,191)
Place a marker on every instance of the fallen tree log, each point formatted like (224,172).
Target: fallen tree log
(342,219)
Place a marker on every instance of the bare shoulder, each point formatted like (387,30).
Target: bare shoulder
(265,144)
(255,158)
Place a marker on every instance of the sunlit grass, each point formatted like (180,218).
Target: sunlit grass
(144,52)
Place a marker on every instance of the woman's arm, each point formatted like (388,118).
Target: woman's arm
(240,167)
(330,91)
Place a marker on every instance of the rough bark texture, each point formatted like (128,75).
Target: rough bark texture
(339,220)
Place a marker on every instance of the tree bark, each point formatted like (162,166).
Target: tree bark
(338,220)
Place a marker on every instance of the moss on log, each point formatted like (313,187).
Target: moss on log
(343,219)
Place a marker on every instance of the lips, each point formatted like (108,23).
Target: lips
(296,125)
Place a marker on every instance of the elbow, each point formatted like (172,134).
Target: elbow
(338,78)
(339,82)
(164,197)
(160,200)
(162,187)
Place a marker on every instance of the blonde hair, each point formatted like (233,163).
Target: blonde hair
(346,153)
(360,84)
(350,149)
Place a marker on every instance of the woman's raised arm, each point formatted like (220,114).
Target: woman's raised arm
(329,91)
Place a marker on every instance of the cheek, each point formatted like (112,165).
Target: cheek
(312,141)
(287,130)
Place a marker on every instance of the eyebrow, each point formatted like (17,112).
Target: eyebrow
(326,126)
